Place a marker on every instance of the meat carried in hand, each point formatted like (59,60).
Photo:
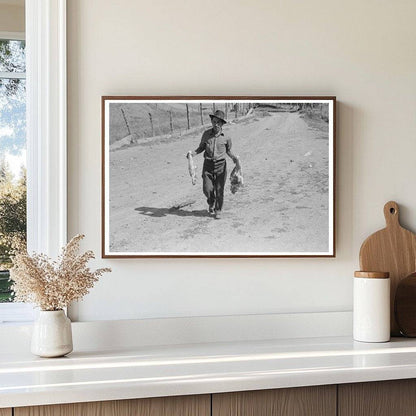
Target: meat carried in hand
(191,167)
(236,177)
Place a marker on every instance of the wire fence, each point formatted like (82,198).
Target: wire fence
(145,120)
(151,120)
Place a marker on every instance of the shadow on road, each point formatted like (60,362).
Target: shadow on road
(163,212)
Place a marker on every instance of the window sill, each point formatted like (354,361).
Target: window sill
(16,313)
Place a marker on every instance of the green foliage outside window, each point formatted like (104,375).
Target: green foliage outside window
(12,223)
(12,144)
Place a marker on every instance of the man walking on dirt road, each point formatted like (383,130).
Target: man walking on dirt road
(214,172)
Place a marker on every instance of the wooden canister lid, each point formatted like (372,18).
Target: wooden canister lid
(372,275)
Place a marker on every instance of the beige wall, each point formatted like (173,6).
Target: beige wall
(361,51)
(12,18)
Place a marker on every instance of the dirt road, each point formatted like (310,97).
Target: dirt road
(283,206)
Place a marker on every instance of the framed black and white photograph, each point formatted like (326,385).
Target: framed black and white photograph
(218,176)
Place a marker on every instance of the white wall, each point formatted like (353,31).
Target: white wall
(361,51)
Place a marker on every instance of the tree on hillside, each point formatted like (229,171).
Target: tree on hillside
(6,175)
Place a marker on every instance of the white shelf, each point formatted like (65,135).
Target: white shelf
(150,371)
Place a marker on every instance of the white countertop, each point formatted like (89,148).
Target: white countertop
(152,371)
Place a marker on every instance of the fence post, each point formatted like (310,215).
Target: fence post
(187,115)
(226,110)
(151,123)
(200,112)
(170,120)
(125,120)
(213,108)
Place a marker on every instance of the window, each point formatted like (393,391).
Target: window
(45,27)
(12,153)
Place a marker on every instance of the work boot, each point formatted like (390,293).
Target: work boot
(211,209)
(218,215)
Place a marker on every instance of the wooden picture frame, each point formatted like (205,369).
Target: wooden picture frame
(282,205)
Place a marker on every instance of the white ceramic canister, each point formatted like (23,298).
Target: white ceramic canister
(371,314)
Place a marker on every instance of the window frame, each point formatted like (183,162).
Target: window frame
(12,35)
(46,126)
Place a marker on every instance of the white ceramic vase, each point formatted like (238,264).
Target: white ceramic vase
(52,334)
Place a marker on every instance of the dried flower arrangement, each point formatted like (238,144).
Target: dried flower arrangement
(53,285)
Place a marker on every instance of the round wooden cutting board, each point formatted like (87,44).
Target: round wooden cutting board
(393,250)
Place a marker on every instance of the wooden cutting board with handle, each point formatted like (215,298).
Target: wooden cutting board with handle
(393,250)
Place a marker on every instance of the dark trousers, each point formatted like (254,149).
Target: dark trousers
(214,175)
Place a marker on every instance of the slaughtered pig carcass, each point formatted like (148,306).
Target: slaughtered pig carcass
(236,177)
(191,167)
